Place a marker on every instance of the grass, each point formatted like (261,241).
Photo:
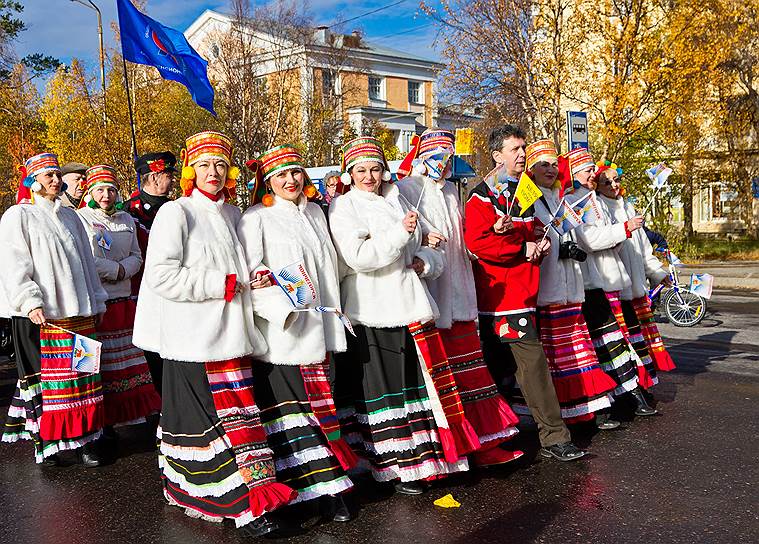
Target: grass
(709,249)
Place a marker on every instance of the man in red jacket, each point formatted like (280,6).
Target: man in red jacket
(506,275)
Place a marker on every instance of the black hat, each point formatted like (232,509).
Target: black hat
(74,168)
(155,162)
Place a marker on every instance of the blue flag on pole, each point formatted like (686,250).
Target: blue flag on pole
(145,41)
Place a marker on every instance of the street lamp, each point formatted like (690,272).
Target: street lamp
(90,4)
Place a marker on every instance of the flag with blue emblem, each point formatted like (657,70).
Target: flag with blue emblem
(146,41)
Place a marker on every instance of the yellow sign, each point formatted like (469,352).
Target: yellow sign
(527,192)
(447,502)
(464,141)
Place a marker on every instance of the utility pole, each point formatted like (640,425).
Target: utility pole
(90,4)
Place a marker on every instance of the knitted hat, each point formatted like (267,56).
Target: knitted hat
(361,150)
(39,164)
(432,140)
(101,175)
(540,150)
(203,146)
(270,162)
(579,159)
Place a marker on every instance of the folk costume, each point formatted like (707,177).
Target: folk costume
(213,455)
(143,207)
(291,379)
(388,405)
(454,293)
(128,390)
(643,267)
(507,289)
(604,277)
(46,263)
(581,386)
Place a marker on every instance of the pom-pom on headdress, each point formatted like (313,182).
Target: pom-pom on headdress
(39,164)
(272,161)
(362,150)
(202,146)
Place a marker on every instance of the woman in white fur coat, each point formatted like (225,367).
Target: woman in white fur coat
(441,219)
(195,310)
(605,277)
(291,379)
(387,403)
(50,283)
(128,390)
(643,267)
(581,386)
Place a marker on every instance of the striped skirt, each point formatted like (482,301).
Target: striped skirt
(582,388)
(662,360)
(55,408)
(303,454)
(128,389)
(646,369)
(487,411)
(385,409)
(203,471)
(615,356)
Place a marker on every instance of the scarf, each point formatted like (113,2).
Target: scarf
(231,383)
(319,393)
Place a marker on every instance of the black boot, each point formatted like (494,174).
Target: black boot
(258,527)
(335,508)
(52,461)
(604,422)
(642,407)
(88,456)
(409,488)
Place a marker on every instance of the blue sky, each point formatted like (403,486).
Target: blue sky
(65,29)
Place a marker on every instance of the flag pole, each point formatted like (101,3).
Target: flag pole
(131,116)
(650,202)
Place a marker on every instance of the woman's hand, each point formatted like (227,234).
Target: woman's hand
(503,225)
(417,265)
(433,239)
(37,316)
(409,222)
(260,280)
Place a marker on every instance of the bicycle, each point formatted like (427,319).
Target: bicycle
(682,307)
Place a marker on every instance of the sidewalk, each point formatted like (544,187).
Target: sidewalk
(727,274)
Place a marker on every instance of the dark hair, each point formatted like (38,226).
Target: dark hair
(500,134)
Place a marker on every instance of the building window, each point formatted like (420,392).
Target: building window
(329,83)
(375,88)
(415,92)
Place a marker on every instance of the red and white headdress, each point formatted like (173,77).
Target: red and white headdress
(100,175)
(270,162)
(362,150)
(432,140)
(39,164)
(540,150)
(202,146)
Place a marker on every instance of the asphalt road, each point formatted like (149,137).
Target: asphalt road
(689,475)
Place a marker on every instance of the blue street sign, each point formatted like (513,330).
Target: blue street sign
(577,129)
(755,187)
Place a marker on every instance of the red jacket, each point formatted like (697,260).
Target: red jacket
(506,282)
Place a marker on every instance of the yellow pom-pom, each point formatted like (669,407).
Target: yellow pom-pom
(267,200)
(309,191)
(188,172)
(233,173)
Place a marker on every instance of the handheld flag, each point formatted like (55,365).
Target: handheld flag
(565,218)
(296,283)
(497,179)
(72,351)
(702,284)
(587,209)
(527,193)
(659,175)
(146,41)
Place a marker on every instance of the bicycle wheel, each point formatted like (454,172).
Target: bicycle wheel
(683,308)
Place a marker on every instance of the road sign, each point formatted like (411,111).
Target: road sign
(755,187)
(577,129)
(464,141)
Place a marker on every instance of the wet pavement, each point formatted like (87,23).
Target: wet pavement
(690,475)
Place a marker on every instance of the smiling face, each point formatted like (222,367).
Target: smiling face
(288,184)
(585,177)
(211,174)
(609,183)
(545,173)
(367,176)
(104,196)
(51,182)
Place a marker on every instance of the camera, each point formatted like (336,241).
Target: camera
(570,250)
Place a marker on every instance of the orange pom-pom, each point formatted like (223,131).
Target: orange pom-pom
(231,182)
(267,200)
(187,186)
(309,191)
